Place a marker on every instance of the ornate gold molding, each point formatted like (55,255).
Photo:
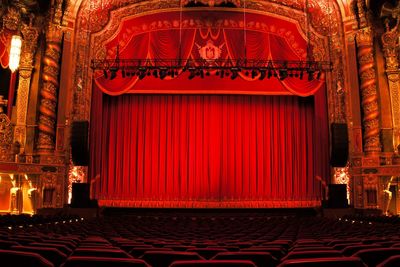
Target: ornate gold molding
(390,51)
(369,94)
(30,37)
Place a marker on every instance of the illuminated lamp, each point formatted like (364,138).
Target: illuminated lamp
(15,52)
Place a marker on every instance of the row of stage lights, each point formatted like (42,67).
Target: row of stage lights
(256,69)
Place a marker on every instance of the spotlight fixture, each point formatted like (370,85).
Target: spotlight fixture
(160,68)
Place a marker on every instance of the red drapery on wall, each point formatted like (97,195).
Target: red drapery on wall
(208,142)
(207,151)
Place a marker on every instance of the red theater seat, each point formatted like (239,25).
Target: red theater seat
(10,258)
(258,258)
(101,252)
(165,258)
(138,252)
(207,253)
(393,261)
(324,262)
(212,263)
(51,254)
(350,250)
(374,256)
(77,261)
(312,254)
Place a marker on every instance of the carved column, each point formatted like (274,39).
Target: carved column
(369,94)
(390,50)
(30,37)
(48,92)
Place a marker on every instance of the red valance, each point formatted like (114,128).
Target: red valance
(5,40)
(160,36)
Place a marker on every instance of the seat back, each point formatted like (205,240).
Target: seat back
(79,261)
(207,253)
(101,252)
(11,258)
(375,256)
(165,258)
(325,262)
(258,258)
(213,263)
(51,254)
(392,261)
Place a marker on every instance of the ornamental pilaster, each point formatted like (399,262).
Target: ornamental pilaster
(390,51)
(49,90)
(368,90)
(30,36)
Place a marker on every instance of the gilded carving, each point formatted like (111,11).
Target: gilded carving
(11,19)
(390,50)
(369,95)
(6,138)
(30,37)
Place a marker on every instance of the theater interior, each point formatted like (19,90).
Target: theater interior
(179,133)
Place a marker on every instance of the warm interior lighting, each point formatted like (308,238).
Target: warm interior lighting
(15,52)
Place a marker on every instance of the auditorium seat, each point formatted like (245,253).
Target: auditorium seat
(51,254)
(276,252)
(392,261)
(6,244)
(62,248)
(374,256)
(312,254)
(207,253)
(351,250)
(324,262)
(10,258)
(213,263)
(79,261)
(101,252)
(258,258)
(165,258)
(138,252)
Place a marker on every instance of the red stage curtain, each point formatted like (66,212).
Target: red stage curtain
(207,150)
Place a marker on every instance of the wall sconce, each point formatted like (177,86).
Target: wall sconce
(15,52)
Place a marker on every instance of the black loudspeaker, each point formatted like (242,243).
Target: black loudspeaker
(80,143)
(80,195)
(339,145)
(337,196)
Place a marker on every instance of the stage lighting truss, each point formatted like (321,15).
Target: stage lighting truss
(256,69)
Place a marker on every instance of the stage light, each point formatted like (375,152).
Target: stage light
(269,73)
(263,73)
(163,73)
(113,74)
(253,74)
(310,75)
(192,74)
(319,75)
(155,73)
(142,75)
(283,74)
(234,75)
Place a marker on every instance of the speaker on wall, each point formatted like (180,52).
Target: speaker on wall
(339,145)
(80,143)
(80,195)
(337,196)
